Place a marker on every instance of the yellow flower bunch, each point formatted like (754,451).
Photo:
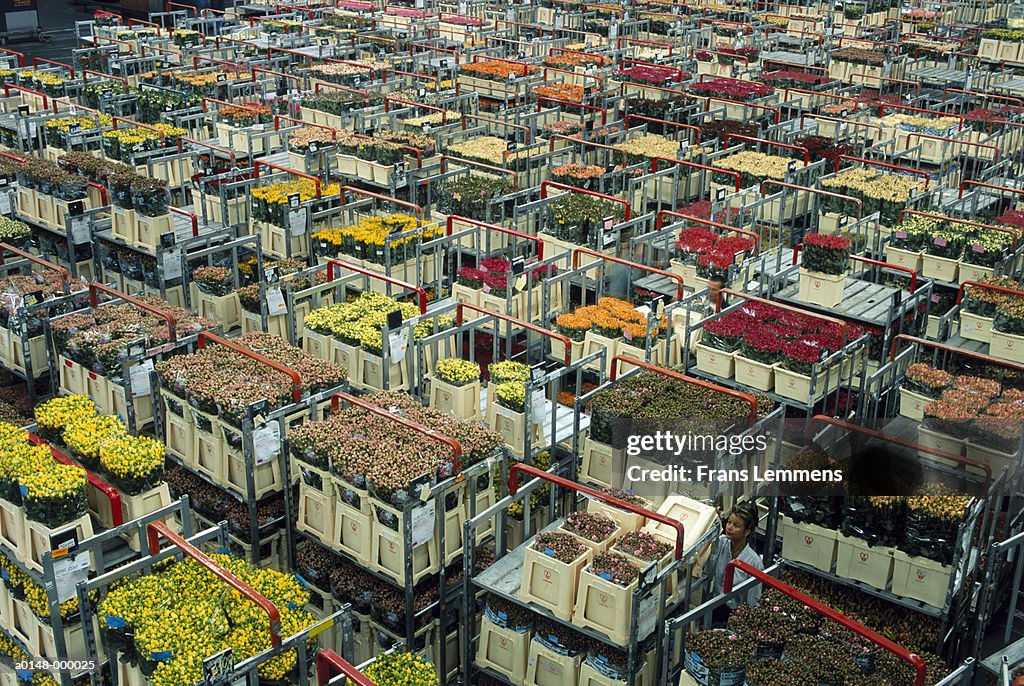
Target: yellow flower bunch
(203,80)
(20,459)
(86,436)
(64,124)
(45,78)
(35,596)
(54,481)
(57,413)
(170,131)
(132,457)
(15,577)
(916,122)
(511,394)
(457,371)
(11,649)
(401,669)
(756,164)
(872,183)
(277,193)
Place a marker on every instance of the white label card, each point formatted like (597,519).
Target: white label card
(275,302)
(172,264)
(648,615)
(399,342)
(266,443)
(297,221)
(67,572)
(423,523)
(80,230)
(537,400)
(5,203)
(140,378)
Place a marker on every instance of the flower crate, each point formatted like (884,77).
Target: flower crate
(972,272)
(940,268)
(318,345)
(316,513)
(857,560)
(149,229)
(591,676)
(348,356)
(822,289)
(352,533)
(387,544)
(974,327)
(695,516)
(24,625)
(558,348)
(136,506)
(547,667)
(511,425)
(627,521)
(280,242)
(240,139)
(596,546)
(601,464)
(754,374)
(72,376)
(939,441)
(715,362)
(208,450)
(594,342)
(466,294)
(699,673)
(74,640)
(809,544)
(790,384)
(267,477)
(604,605)
(12,527)
(912,404)
(998,461)
(549,583)
(904,258)
(179,429)
(14,356)
(230,212)
(123,223)
(220,308)
(37,538)
(920,579)
(503,650)
(25,202)
(461,401)
(1006,346)
(516,533)
(373,376)
(142,405)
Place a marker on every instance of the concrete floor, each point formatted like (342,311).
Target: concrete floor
(57,19)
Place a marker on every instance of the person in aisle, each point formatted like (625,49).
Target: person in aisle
(716,301)
(734,544)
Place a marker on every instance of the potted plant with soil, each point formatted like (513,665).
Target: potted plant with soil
(717,656)
(943,251)
(551,568)
(597,531)
(824,268)
(604,599)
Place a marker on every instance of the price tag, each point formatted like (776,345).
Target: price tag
(172,264)
(68,571)
(218,665)
(297,221)
(537,399)
(266,442)
(941,242)
(140,378)
(978,248)
(80,232)
(424,519)
(399,343)
(275,302)
(5,202)
(720,195)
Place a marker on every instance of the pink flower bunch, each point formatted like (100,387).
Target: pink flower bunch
(615,568)
(463,21)
(643,545)
(589,525)
(652,74)
(495,265)
(563,547)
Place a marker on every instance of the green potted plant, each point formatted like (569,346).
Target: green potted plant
(717,656)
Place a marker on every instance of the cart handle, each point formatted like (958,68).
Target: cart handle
(952,140)
(517,322)
(378,275)
(37,60)
(876,163)
(739,395)
(38,260)
(915,661)
(980,184)
(407,423)
(866,260)
(618,260)
(660,221)
(327,659)
(271,165)
(94,301)
(9,86)
(688,127)
(750,139)
(473,163)
(452,218)
(513,487)
(984,466)
(978,356)
(185,213)
(572,189)
(205,336)
(858,201)
(113,495)
(158,529)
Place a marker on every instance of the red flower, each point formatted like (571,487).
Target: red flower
(801,351)
(471,274)
(734,244)
(787,333)
(1013,218)
(700,209)
(495,265)
(762,341)
(822,341)
(695,240)
(716,258)
(724,328)
(496,281)
(827,242)
(731,89)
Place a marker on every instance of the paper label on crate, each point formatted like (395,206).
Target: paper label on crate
(648,615)
(423,523)
(978,247)
(80,229)
(399,342)
(140,376)
(172,264)
(276,305)
(67,572)
(5,203)
(297,221)
(266,443)
(941,242)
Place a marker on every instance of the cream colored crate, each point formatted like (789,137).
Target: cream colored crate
(135,506)
(974,327)
(230,212)
(224,309)
(351,358)
(12,527)
(460,401)
(267,477)
(995,459)
(593,342)
(503,650)
(387,547)
(72,376)
(794,386)
(48,211)
(920,579)
(872,565)
(940,268)
(239,139)
(373,372)
(141,404)
(485,498)
(317,344)
(6,608)
(716,362)
(74,641)
(549,583)
(589,676)
(38,536)
(209,450)
(972,272)
(125,225)
(511,426)
(904,258)
(352,533)
(15,355)
(276,325)
(825,290)
(1006,346)
(454,520)
(179,431)
(279,242)
(149,229)
(316,513)
(808,543)
(26,203)
(604,606)
(927,438)
(575,350)
(596,546)
(24,625)
(546,667)
(912,404)
(753,373)
(627,521)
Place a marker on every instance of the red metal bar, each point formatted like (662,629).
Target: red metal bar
(190,215)
(205,336)
(881,641)
(513,488)
(37,60)
(407,423)
(736,175)
(730,136)
(545,98)
(544,193)
(327,659)
(517,322)
(228,151)
(38,260)
(660,219)
(876,163)
(739,395)
(94,301)
(156,530)
(452,218)
(378,275)
(112,494)
(417,210)
(879,263)
(618,260)
(858,201)
(983,466)
(20,55)
(256,173)
(980,184)
(9,86)
(169,5)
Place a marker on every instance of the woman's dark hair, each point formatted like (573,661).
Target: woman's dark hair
(747,511)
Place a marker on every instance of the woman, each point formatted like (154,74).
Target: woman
(734,544)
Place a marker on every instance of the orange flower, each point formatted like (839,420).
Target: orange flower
(561,91)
